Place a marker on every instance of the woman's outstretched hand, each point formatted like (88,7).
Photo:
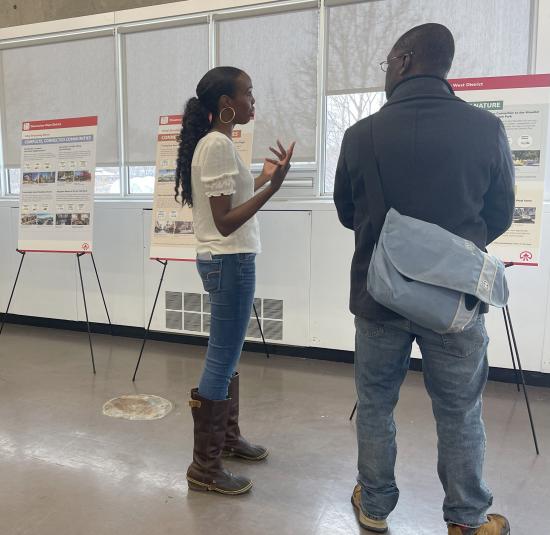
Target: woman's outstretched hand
(278,169)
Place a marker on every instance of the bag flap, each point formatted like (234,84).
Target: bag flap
(428,253)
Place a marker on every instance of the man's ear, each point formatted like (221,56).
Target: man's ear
(406,64)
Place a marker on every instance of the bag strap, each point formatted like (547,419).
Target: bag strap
(374,192)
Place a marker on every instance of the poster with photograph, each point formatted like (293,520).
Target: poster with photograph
(56,200)
(243,137)
(172,233)
(522,103)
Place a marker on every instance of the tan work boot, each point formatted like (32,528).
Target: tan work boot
(497,525)
(378,526)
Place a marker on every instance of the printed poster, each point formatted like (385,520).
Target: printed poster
(56,202)
(172,233)
(243,137)
(522,103)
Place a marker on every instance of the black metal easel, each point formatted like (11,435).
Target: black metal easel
(164,263)
(78,255)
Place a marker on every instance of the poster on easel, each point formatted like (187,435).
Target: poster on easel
(172,231)
(58,159)
(522,103)
(243,139)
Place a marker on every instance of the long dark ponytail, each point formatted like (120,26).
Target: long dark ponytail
(198,117)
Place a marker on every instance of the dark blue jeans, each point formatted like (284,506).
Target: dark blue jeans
(455,373)
(230,281)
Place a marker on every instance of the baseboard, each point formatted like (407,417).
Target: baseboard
(503,375)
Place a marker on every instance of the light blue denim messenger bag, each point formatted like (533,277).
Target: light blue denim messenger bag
(423,272)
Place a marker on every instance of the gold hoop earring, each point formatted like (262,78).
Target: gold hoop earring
(230,120)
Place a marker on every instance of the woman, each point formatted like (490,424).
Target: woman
(213,180)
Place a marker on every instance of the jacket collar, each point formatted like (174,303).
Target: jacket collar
(421,86)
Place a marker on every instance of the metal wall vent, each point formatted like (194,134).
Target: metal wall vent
(273,309)
(173,300)
(206,323)
(192,302)
(253,330)
(273,330)
(196,315)
(206,303)
(192,322)
(258,306)
(173,320)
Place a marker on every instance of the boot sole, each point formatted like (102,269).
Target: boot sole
(226,454)
(198,486)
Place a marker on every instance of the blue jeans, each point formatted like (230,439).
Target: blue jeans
(455,373)
(230,281)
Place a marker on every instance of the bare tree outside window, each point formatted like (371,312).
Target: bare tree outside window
(344,111)
(360,36)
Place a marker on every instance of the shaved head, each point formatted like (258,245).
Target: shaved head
(433,45)
(428,49)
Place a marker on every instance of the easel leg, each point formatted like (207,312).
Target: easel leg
(102,296)
(261,331)
(165,263)
(78,255)
(22,253)
(515,345)
(353,412)
(511,348)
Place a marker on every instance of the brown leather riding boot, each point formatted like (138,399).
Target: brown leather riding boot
(235,444)
(206,471)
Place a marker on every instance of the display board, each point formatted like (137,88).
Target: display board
(522,103)
(172,233)
(56,202)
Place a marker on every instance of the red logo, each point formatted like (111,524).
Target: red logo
(85,246)
(526,256)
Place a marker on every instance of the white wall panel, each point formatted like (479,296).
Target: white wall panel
(305,262)
(47,284)
(545,320)
(331,252)
(8,255)
(282,273)
(529,288)
(118,252)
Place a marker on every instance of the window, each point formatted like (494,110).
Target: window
(65,79)
(279,52)
(159,63)
(343,111)
(142,179)
(163,68)
(107,180)
(361,35)
(14,181)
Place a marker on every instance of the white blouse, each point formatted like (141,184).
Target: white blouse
(217,169)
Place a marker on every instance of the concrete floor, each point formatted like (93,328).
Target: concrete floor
(67,469)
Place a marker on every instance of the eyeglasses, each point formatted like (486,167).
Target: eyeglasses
(385,64)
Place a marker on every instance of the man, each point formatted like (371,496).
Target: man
(446,162)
